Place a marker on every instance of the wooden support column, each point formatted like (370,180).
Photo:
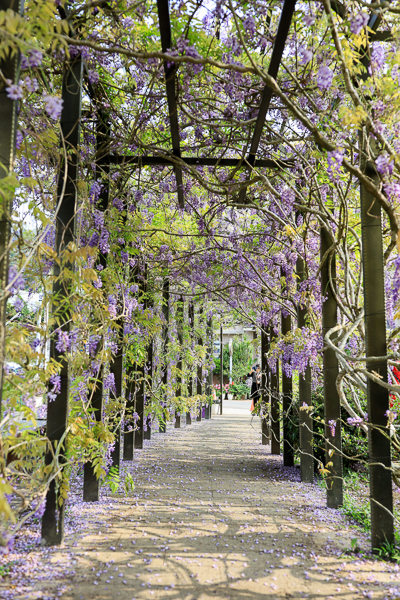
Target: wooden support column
(57,411)
(9,124)
(222,366)
(333,443)
(191,338)
(275,416)
(179,363)
(265,388)
(165,308)
(381,494)
(149,368)
(132,377)
(91,483)
(200,370)
(140,370)
(287,397)
(305,400)
(207,414)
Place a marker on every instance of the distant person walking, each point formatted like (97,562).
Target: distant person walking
(255,386)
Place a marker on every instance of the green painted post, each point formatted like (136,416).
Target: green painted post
(165,308)
(199,387)
(191,338)
(91,484)
(208,361)
(333,443)
(381,494)
(287,397)
(179,365)
(57,410)
(9,66)
(222,366)
(275,416)
(305,400)
(265,388)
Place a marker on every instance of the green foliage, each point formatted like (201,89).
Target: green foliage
(242,357)
(113,479)
(239,389)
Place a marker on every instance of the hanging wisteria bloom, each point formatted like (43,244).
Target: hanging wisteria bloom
(55,383)
(32,59)
(63,343)
(53,106)
(15,91)
(384,165)
(377,57)
(109,383)
(358,22)
(305,55)
(335,160)
(324,78)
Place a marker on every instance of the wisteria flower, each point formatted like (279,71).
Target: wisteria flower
(384,165)
(15,91)
(109,382)
(32,59)
(249,25)
(358,22)
(63,343)
(54,387)
(378,57)
(305,55)
(53,106)
(93,76)
(16,281)
(335,160)
(324,78)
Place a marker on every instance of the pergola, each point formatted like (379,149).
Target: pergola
(75,74)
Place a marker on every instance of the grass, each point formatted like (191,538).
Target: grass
(356,499)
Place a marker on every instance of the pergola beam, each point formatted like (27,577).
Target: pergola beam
(277,53)
(170,72)
(149,161)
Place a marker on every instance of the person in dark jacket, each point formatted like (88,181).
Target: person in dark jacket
(255,386)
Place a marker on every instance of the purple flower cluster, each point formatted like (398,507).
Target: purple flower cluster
(384,165)
(15,280)
(63,343)
(55,383)
(15,91)
(109,383)
(332,427)
(53,106)
(305,55)
(32,59)
(324,78)
(335,160)
(358,22)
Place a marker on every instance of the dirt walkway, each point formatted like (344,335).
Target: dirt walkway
(213,515)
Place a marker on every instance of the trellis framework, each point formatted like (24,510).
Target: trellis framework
(381,495)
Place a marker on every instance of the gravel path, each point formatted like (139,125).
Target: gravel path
(213,515)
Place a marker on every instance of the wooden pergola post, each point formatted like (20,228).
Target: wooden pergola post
(199,387)
(179,365)
(305,400)
(275,416)
(9,124)
(333,427)
(162,428)
(221,332)
(380,463)
(191,377)
(265,388)
(67,194)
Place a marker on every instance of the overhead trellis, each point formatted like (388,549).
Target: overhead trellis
(111,164)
